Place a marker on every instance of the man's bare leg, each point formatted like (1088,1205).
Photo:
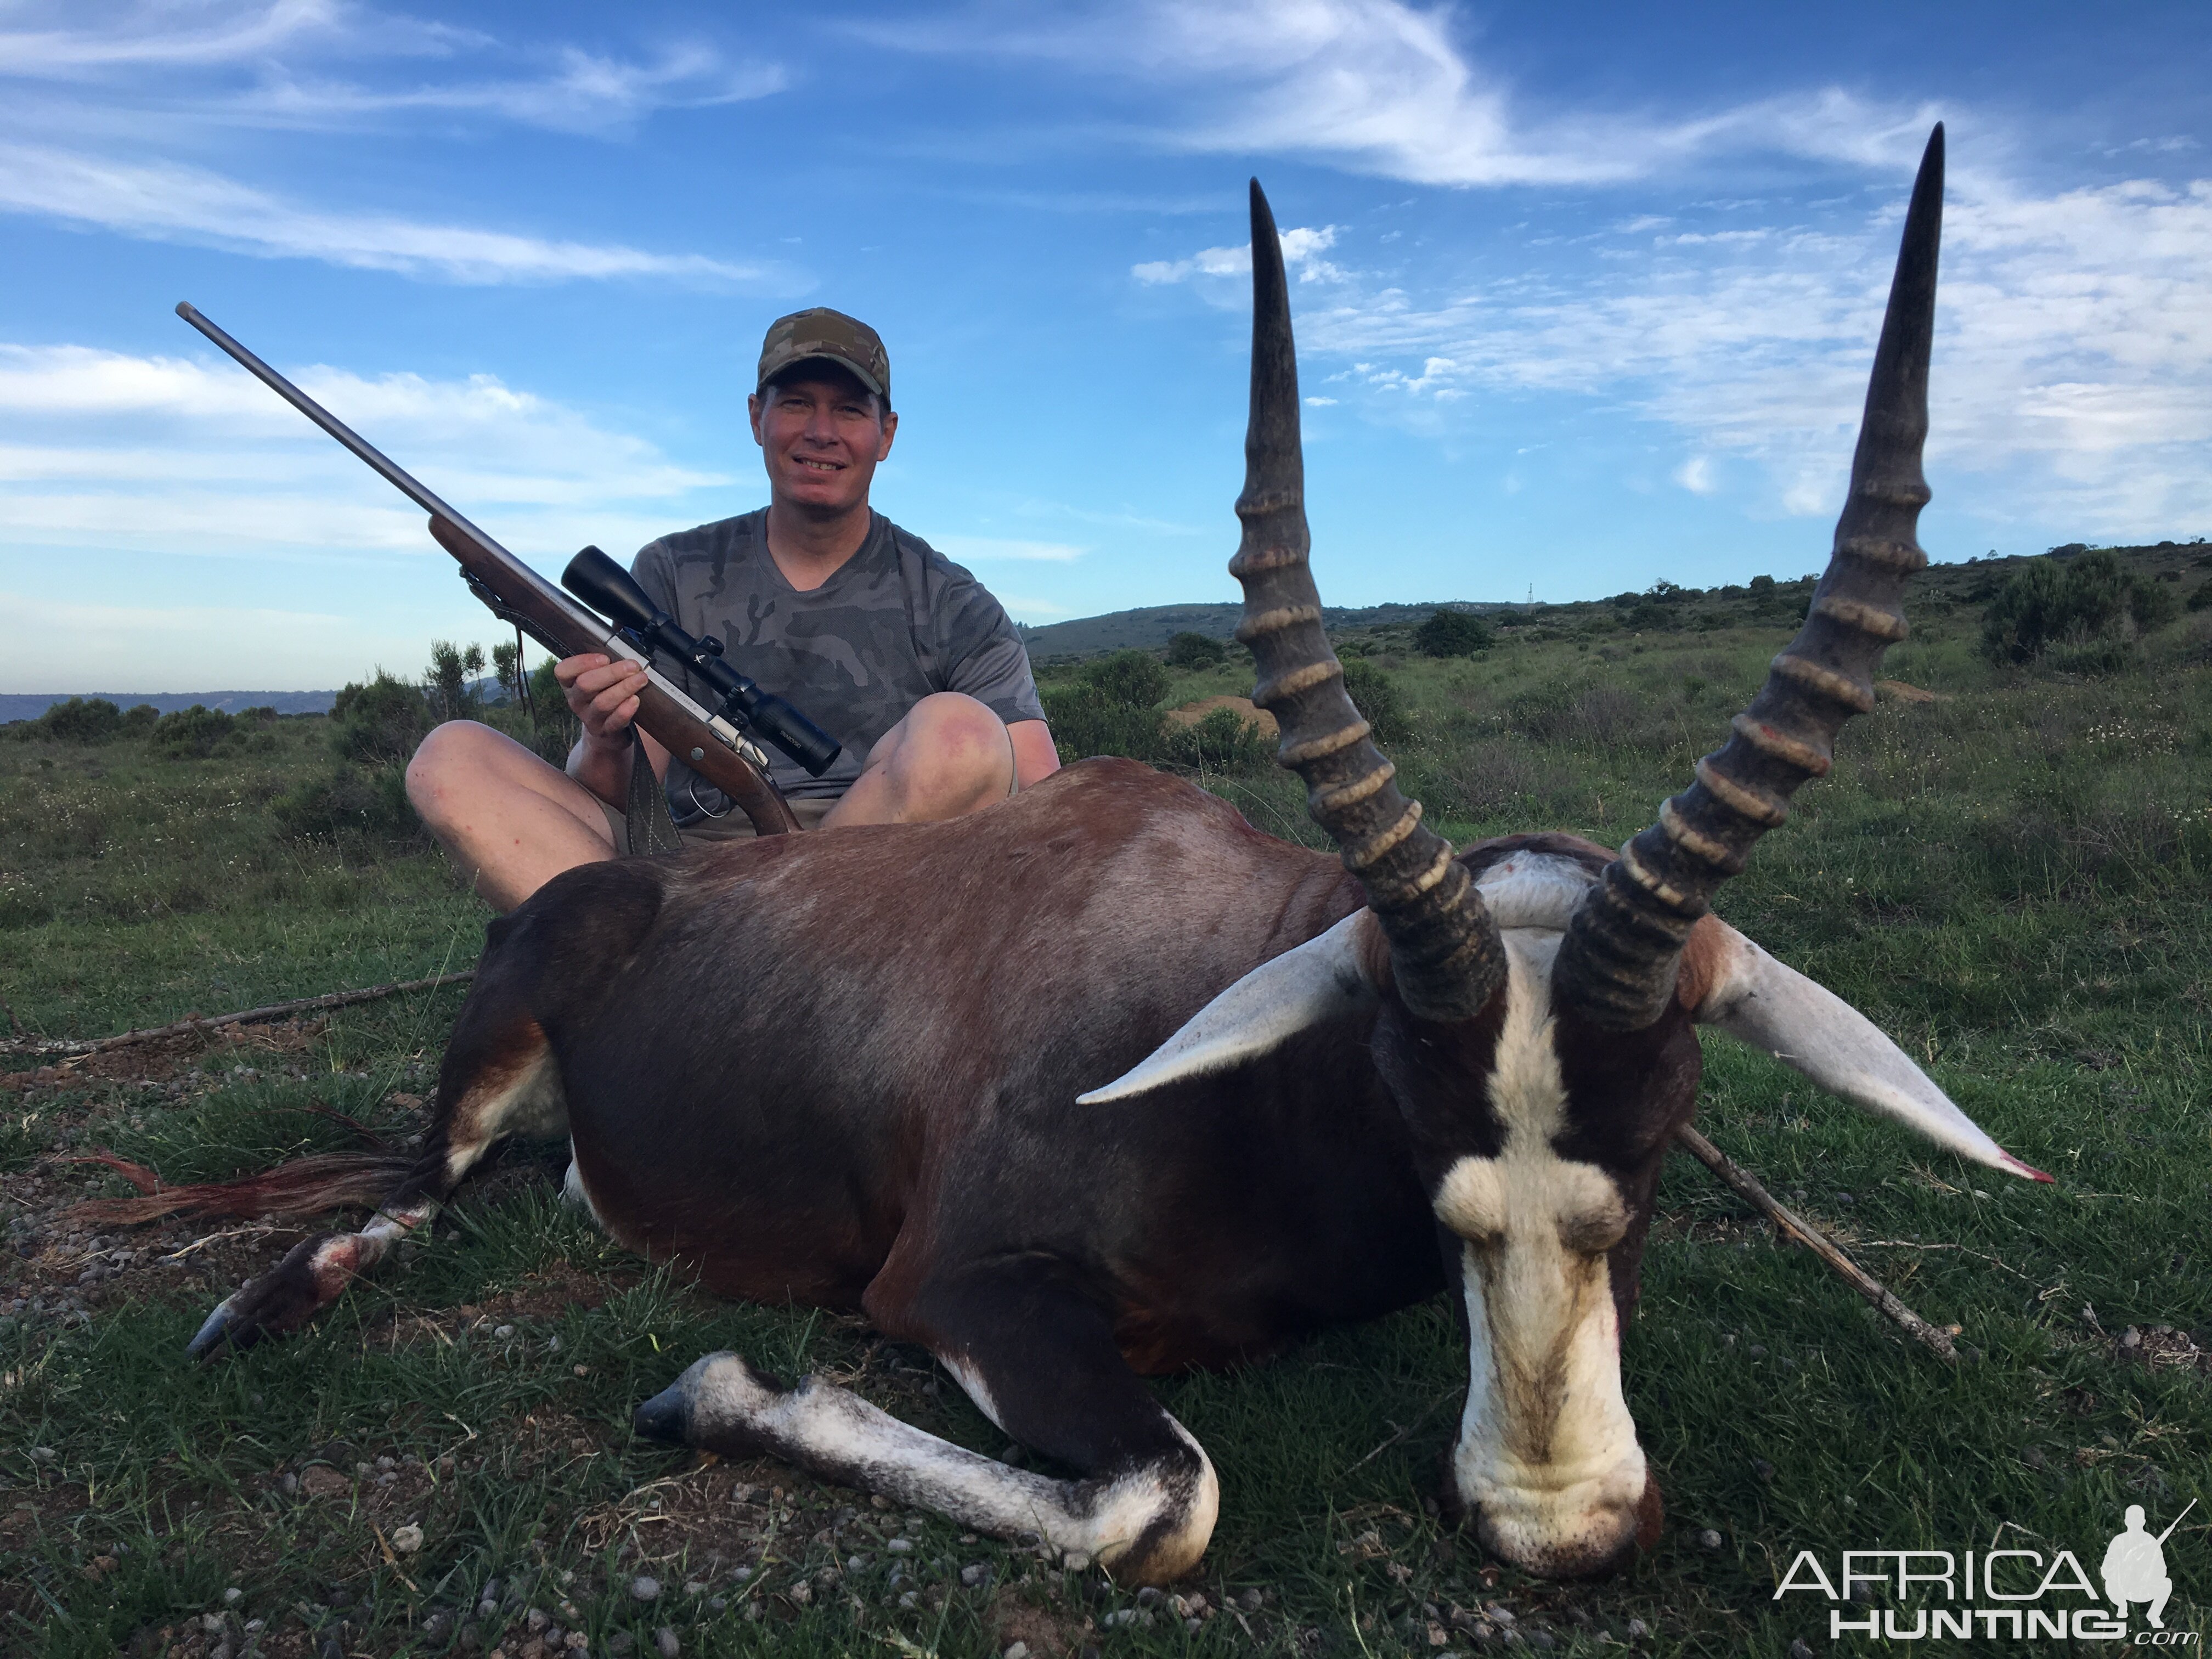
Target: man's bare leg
(950,756)
(511,821)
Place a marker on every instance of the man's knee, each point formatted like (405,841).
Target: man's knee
(454,757)
(960,745)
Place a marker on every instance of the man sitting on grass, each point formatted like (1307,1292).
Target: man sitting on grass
(894,651)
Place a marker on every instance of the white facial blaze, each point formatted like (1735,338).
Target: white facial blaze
(1547,1452)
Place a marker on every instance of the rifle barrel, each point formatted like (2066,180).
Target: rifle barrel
(377,461)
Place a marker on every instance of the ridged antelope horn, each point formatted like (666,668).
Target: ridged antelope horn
(1616,967)
(1444,951)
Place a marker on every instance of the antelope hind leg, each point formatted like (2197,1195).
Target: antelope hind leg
(497,1079)
(1043,1365)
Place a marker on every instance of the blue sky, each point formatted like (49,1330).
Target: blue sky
(1584,294)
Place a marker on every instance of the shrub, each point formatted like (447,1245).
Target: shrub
(348,801)
(1378,699)
(1189,650)
(80,720)
(448,681)
(1451,633)
(1113,710)
(191,733)
(1132,679)
(379,723)
(1762,587)
(557,729)
(1222,741)
(2090,599)
(138,719)
(2202,598)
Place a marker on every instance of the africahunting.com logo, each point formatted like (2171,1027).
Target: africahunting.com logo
(2001,1594)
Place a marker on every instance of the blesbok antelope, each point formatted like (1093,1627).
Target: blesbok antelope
(1103,1082)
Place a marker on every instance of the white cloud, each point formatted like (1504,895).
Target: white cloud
(2073,372)
(1381,86)
(1695,475)
(166,203)
(174,455)
(1016,605)
(1320,403)
(1303,246)
(986,549)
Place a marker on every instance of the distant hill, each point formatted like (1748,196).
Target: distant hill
(1153,626)
(29,705)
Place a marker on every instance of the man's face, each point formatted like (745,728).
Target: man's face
(821,434)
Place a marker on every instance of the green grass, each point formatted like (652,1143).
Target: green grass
(2012,881)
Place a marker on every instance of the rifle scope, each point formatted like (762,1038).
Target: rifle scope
(605,585)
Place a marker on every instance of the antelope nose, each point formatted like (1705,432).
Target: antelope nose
(1595,1542)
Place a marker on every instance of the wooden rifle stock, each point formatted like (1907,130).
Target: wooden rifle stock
(664,719)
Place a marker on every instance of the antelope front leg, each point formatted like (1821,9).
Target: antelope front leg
(1037,1361)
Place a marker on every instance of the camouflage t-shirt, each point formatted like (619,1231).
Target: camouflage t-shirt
(897,621)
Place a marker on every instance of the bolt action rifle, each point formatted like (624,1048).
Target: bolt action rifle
(718,745)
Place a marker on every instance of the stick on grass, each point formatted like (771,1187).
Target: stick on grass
(76,1046)
(1795,1227)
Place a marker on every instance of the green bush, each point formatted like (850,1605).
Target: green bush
(2202,598)
(80,719)
(1222,741)
(2090,600)
(1451,633)
(381,723)
(350,800)
(1132,679)
(1113,710)
(193,733)
(1377,698)
(1189,650)
(556,729)
(138,719)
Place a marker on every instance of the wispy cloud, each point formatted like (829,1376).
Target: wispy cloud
(1382,87)
(2073,374)
(1043,610)
(1302,247)
(168,202)
(179,455)
(988,549)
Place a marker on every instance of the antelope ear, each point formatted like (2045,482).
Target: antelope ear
(1320,980)
(1728,981)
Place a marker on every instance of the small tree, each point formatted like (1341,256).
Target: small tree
(80,719)
(1451,633)
(1132,679)
(506,668)
(1191,650)
(380,723)
(447,681)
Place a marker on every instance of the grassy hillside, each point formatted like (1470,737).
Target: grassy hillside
(2008,876)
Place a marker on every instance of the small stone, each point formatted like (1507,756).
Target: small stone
(1501,1615)
(535,1620)
(1756,1351)
(1762,1468)
(406,1540)
(974,1574)
(718,1604)
(695,1587)
(42,1454)
(899,1546)
(1637,1630)
(1250,1601)
(645,1589)
(437,1624)
(619,1643)
(856,1564)
(802,1593)
(1799,1650)
(1709,1540)
(1150,1596)
(1076,1561)
(233,1596)
(2131,1338)
(289,1483)
(387,1464)
(503,1332)
(665,1640)
(1016,1650)
(321,1480)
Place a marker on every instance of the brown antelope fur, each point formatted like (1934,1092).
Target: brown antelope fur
(1101,1082)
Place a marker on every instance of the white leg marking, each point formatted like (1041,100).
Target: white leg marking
(835,1432)
(572,1189)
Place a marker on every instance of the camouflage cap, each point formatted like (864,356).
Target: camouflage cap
(822,333)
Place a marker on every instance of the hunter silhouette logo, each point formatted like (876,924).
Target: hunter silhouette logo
(2135,1566)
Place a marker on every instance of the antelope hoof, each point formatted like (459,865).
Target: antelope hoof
(288,1296)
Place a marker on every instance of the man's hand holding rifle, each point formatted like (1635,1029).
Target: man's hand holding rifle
(926,706)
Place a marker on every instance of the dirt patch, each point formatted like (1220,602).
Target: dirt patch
(1192,713)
